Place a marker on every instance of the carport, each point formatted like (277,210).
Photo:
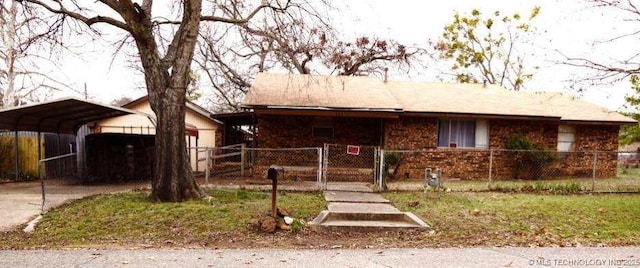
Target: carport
(63,116)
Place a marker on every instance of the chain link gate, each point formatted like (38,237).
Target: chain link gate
(350,163)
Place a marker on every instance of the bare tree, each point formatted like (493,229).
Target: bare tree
(23,40)
(301,42)
(165,44)
(369,56)
(606,72)
(121,101)
(620,69)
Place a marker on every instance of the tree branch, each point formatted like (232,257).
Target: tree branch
(240,20)
(89,21)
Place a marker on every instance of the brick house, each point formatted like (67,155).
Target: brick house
(433,119)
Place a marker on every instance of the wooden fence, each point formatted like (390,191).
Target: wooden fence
(27,157)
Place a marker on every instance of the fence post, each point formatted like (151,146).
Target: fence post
(42,186)
(595,166)
(16,153)
(319,173)
(243,159)
(207,167)
(381,172)
(376,151)
(197,156)
(490,168)
(325,165)
(40,169)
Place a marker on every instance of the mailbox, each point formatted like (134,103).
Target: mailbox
(275,172)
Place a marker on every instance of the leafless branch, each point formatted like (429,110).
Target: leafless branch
(89,21)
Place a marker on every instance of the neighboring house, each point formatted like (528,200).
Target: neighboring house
(307,110)
(630,155)
(201,129)
(630,148)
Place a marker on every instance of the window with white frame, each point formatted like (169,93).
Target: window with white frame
(463,133)
(566,138)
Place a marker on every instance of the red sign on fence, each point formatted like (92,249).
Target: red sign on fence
(353,150)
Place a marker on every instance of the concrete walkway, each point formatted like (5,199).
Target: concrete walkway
(354,207)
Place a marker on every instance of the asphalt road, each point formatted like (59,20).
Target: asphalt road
(450,257)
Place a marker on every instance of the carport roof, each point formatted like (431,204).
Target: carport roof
(62,116)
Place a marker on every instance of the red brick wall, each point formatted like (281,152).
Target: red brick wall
(538,132)
(415,133)
(277,131)
(410,133)
(597,137)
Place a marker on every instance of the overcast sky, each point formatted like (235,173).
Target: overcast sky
(566,26)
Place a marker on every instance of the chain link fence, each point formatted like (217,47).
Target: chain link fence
(514,170)
(300,164)
(462,169)
(350,163)
(237,161)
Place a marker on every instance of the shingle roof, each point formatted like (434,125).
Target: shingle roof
(372,94)
(573,109)
(451,98)
(320,92)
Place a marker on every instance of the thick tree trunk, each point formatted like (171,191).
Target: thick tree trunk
(173,180)
(167,79)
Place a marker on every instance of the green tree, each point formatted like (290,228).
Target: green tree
(631,134)
(485,49)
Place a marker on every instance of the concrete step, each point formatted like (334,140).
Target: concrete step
(350,187)
(365,208)
(354,197)
(363,222)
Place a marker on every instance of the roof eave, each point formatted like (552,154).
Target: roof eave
(482,115)
(322,108)
(600,122)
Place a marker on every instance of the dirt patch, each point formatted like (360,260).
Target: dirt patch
(307,239)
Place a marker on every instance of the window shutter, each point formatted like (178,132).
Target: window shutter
(482,134)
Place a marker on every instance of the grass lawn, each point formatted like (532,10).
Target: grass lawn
(133,219)
(457,218)
(500,219)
